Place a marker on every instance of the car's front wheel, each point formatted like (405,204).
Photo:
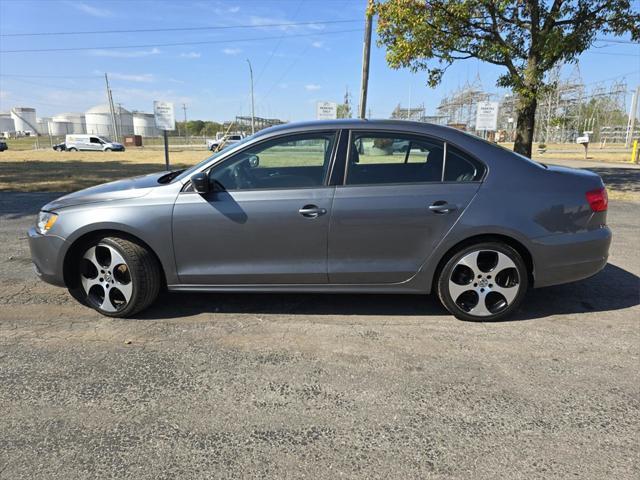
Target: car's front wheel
(483,282)
(117,277)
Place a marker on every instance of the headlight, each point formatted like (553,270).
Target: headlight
(46,221)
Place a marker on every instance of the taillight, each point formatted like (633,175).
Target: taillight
(598,199)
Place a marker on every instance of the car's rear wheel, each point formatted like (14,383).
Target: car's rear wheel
(73,149)
(483,282)
(117,277)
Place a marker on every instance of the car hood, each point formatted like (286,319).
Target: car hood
(118,190)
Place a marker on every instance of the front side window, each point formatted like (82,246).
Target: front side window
(376,158)
(95,140)
(294,161)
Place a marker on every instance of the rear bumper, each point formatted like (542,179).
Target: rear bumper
(46,251)
(569,257)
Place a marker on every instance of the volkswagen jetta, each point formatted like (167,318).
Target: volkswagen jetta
(332,207)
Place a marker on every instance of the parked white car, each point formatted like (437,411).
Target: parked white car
(74,143)
(219,144)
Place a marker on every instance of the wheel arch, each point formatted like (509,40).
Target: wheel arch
(76,248)
(489,237)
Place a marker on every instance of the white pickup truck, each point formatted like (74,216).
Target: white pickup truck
(225,141)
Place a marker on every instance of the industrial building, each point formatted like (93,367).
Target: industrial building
(99,121)
(24,120)
(144,124)
(6,123)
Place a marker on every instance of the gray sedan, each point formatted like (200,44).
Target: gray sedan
(332,207)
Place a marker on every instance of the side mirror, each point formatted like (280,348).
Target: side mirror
(254,161)
(200,182)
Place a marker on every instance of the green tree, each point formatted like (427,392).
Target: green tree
(343,110)
(526,37)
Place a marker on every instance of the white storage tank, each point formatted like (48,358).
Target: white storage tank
(43,125)
(77,121)
(24,119)
(144,124)
(6,123)
(60,128)
(98,121)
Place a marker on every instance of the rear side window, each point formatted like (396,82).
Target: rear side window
(377,158)
(389,158)
(459,167)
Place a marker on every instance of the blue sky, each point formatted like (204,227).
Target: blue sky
(294,66)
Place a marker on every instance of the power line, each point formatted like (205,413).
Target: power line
(62,77)
(273,52)
(613,40)
(152,45)
(179,29)
(614,54)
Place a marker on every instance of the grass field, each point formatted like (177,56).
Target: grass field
(43,142)
(46,170)
(31,171)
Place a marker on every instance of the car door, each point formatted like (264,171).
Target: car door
(267,220)
(395,205)
(94,144)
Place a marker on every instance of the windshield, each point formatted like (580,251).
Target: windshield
(189,171)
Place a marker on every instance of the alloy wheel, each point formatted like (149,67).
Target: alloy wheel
(484,283)
(106,278)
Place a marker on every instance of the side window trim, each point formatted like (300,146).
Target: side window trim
(444,161)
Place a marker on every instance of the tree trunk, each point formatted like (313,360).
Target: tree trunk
(524,126)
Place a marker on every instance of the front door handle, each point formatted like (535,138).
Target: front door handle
(312,211)
(441,207)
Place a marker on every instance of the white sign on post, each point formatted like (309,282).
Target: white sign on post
(487,116)
(164,115)
(326,111)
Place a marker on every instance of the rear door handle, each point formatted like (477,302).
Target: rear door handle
(441,207)
(312,211)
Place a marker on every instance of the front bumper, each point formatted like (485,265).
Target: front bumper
(570,257)
(47,256)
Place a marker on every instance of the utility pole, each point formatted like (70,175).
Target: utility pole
(366,55)
(631,124)
(120,120)
(253,111)
(184,108)
(111,108)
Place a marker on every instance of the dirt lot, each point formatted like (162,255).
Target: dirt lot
(318,386)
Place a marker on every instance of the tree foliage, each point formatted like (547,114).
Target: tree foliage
(526,37)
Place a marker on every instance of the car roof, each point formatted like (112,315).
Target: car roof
(407,126)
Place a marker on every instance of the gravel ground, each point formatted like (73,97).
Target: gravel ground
(319,386)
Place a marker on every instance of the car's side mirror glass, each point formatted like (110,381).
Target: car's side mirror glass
(200,182)
(254,161)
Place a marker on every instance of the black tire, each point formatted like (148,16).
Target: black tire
(496,309)
(108,150)
(73,149)
(144,271)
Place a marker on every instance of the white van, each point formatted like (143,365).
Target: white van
(74,143)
